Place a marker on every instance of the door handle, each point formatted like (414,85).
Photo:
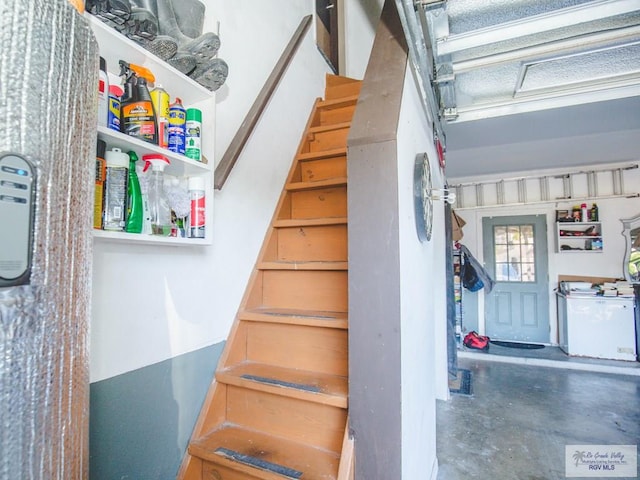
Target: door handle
(330,6)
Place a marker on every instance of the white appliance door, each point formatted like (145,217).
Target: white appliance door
(601,328)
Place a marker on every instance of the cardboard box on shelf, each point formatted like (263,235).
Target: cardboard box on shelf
(457,223)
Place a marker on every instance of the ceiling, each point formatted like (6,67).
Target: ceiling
(529,84)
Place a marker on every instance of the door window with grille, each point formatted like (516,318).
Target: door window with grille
(514,253)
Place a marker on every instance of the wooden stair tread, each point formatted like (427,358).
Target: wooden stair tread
(310,386)
(296,317)
(303,266)
(338,102)
(328,128)
(330,182)
(310,462)
(334,152)
(309,222)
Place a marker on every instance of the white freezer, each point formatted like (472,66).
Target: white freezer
(597,327)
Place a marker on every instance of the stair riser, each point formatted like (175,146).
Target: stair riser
(310,244)
(342,90)
(327,140)
(331,116)
(211,471)
(305,290)
(290,418)
(323,202)
(296,346)
(324,169)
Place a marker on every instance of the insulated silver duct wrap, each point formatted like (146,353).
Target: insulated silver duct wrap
(48,107)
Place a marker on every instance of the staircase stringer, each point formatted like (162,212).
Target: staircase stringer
(346,469)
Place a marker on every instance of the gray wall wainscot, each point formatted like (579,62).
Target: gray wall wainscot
(141,421)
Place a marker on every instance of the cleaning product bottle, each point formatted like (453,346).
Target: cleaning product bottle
(135,208)
(137,116)
(594,213)
(584,216)
(115,190)
(98,191)
(193,131)
(159,210)
(197,214)
(160,99)
(113,121)
(103,93)
(177,124)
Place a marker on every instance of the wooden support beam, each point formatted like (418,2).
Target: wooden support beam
(251,119)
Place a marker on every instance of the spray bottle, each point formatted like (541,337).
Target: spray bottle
(135,212)
(103,94)
(157,199)
(137,115)
(197,216)
(177,127)
(160,99)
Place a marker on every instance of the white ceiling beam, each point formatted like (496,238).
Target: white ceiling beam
(581,42)
(593,93)
(544,22)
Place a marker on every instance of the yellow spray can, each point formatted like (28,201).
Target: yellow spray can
(160,99)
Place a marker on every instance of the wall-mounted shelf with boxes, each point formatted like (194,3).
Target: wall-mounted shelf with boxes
(115,47)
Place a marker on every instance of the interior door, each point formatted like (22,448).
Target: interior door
(516,255)
(327,31)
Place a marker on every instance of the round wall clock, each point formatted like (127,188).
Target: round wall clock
(423,203)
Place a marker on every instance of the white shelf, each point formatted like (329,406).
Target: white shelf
(576,237)
(578,240)
(577,224)
(115,47)
(180,165)
(139,238)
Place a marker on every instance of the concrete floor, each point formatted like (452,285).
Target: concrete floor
(520,417)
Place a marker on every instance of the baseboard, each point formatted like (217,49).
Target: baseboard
(632,369)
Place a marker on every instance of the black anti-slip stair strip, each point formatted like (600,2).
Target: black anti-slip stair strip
(259,463)
(280,383)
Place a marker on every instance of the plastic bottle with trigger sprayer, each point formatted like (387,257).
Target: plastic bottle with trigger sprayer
(135,207)
(137,115)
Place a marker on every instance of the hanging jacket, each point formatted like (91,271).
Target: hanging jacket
(474,273)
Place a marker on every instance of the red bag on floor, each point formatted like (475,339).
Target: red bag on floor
(475,341)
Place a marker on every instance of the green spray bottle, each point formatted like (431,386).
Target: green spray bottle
(135,213)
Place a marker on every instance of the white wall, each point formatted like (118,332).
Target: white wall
(360,22)
(423,297)
(151,303)
(608,263)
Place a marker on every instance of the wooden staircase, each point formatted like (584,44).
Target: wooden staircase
(278,406)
